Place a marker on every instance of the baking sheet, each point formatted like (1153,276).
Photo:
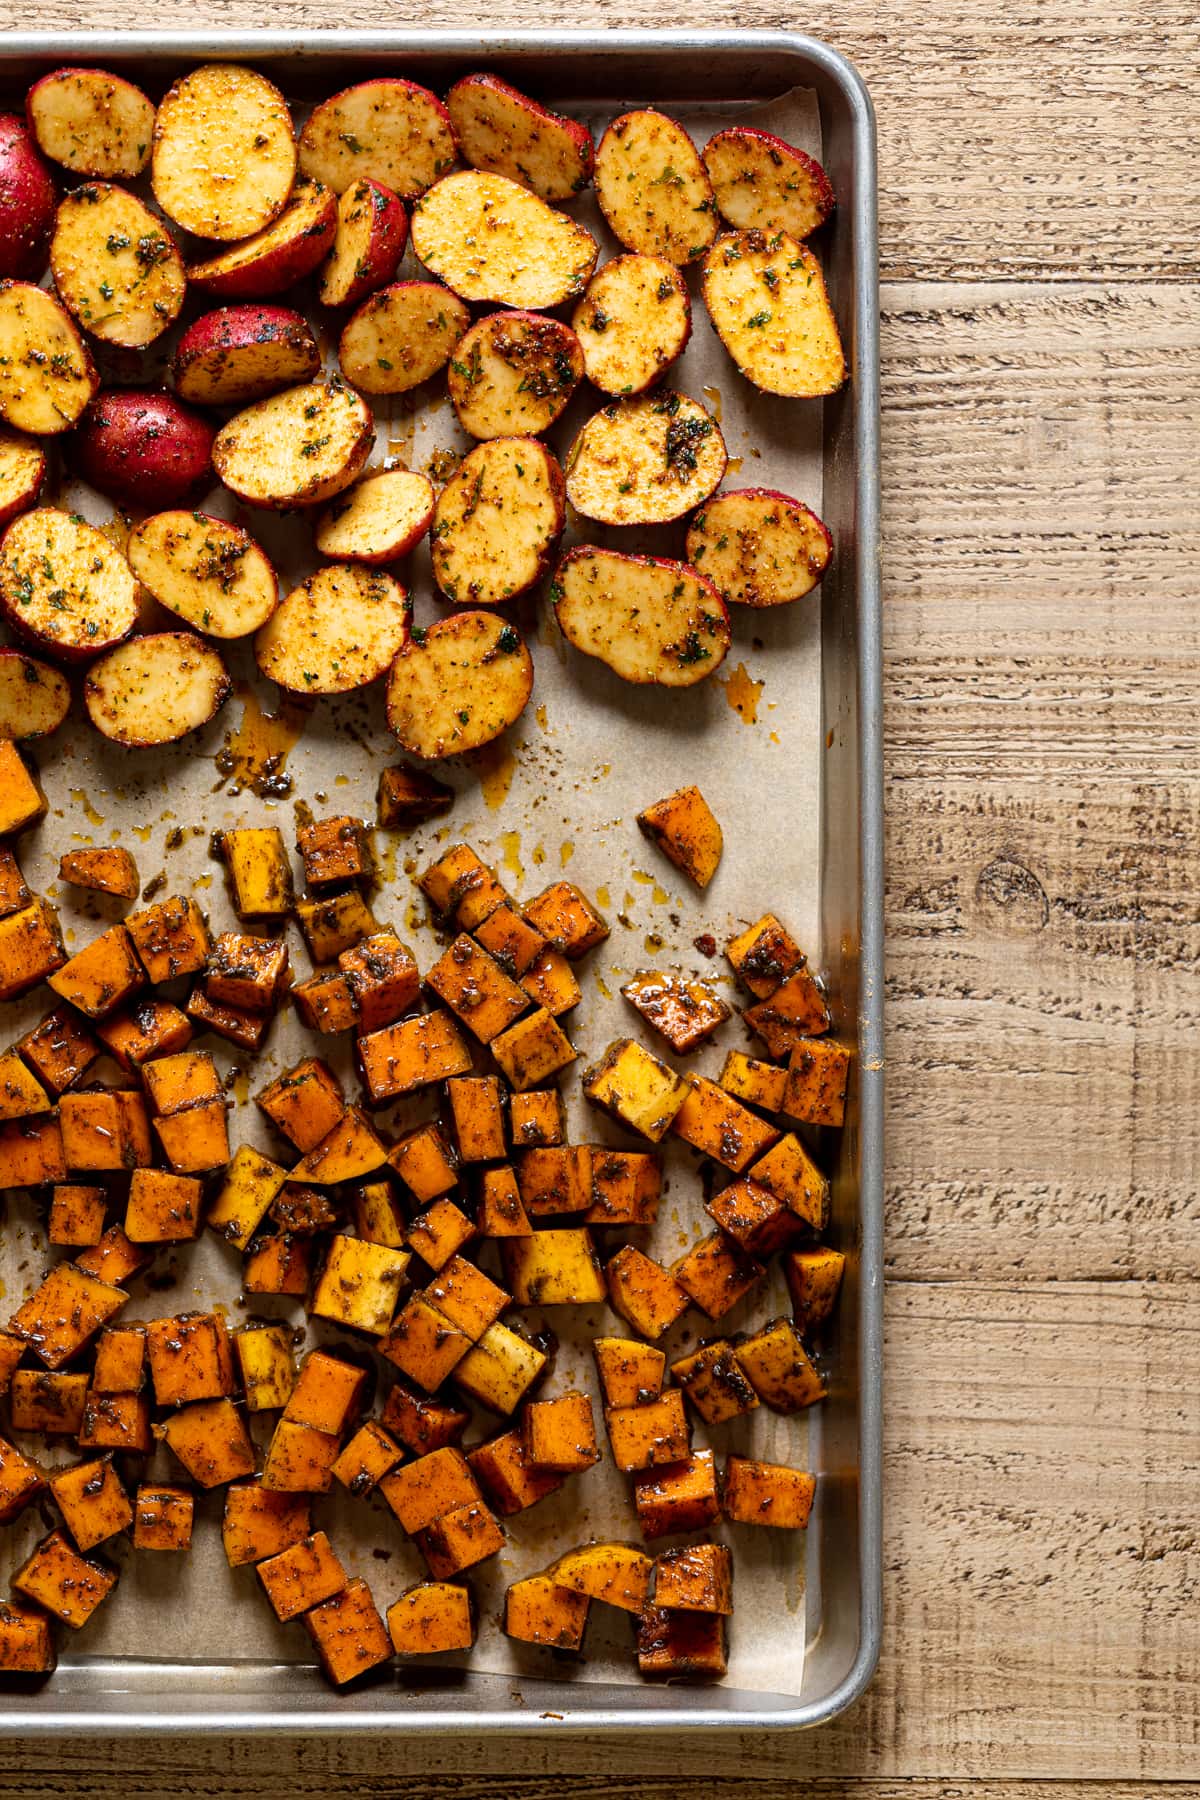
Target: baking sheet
(558,796)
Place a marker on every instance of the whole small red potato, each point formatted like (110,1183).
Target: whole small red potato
(27,201)
(144,448)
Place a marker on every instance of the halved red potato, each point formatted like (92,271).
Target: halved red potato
(224,152)
(491,240)
(497,522)
(401,336)
(64,586)
(271,260)
(379,519)
(34,698)
(92,122)
(513,374)
(28,198)
(155,690)
(240,353)
(652,621)
(297,448)
(22,472)
(762,183)
(505,132)
(46,374)
(759,547)
(766,298)
(644,461)
(144,448)
(458,684)
(372,230)
(653,188)
(209,572)
(337,631)
(633,323)
(389,130)
(116,266)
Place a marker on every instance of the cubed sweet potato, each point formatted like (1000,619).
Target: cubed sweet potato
(59,1050)
(421,1423)
(260,875)
(299,1459)
(65,1312)
(383,979)
(68,1585)
(77,1214)
(107,870)
(777,1366)
(105,1129)
(551,985)
(425,1162)
(334,923)
(430,1617)
(325,1003)
(459,1540)
(649,1435)
(432,1485)
(92,1502)
(539,1611)
(21,1480)
(149,1028)
(814,1278)
(408,796)
(789,1172)
(378,1215)
(251,1183)
(764,955)
(502,1467)
(114,1259)
(556,1267)
(52,1402)
(22,802)
(764,1493)
(477,1117)
(499,1370)
(278,1265)
(21,1093)
(476,989)
(793,1012)
(512,940)
(717,1125)
(247,973)
(102,976)
(461,888)
(755,1218)
(334,851)
(163,1517)
(116,1422)
(537,1119)
(686,831)
(533,1050)
(170,938)
(636,1089)
(626,1187)
(680,1498)
(359,1284)
(349,1635)
(561,1433)
(328,1394)
(499,1213)
(643,1292)
(260,1522)
(401,1058)
(754,1083)
(554,1180)
(423,1344)
(567,919)
(370,1454)
(347,1153)
(32,1151)
(120,1366)
(713,1380)
(264,1354)
(681,1645)
(439,1233)
(236,1024)
(616,1574)
(14,892)
(815,1084)
(26,1640)
(630,1372)
(304,1103)
(31,948)
(684,1010)
(302,1576)
(163,1208)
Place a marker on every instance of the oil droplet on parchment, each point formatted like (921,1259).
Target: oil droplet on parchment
(565,852)
(742,693)
(511,841)
(497,766)
(253,756)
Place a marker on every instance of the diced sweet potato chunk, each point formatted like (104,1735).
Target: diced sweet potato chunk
(500,1369)
(251,1183)
(814,1278)
(116,1422)
(302,1576)
(754,1083)
(539,1611)
(685,830)
(163,1517)
(433,1616)
(626,1187)
(567,919)
(557,1179)
(755,1218)
(328,1393)
(778,1368)
(59,1050)
(260,875)
(105,1129)
(120,1366)
(260,1522)
(163,1209)
(508,1478)
(22,801)
(278,1265)
(247,973)
(347,1153)
(359,1284)
(77,1214)
(719,1126)
(236,1024)
(476,989)
(67,1309)
(636,1089)
(681,1645)
(790,1173)
(325,1003)
(815,1083)
(793,1012)
(189,1358)
(383,979)
(461,888)
(499,1213)
(682,1009)
(32,1151)
(21,1093)
(370,1455)
(101,976)
(26,1640)
(763,1493)
(680,1498)
(630,1372)
(649,1435)
(408,796)
(114,1259)
(400,1059)
(537,1119)
(533,1050)
(378,1215)
(617,1574)
(211,1441)
(31,948)
(68,1585)
(439,1233)
(170,938)
(334,850)
(14,894)
(423,1344)
(50,1402)
(304,1103)
(264,1354)
(148,1029)
(554,1268)
(299,1459)
(643,1292)
(764,956)
(437,1483)
(107,870)
(715,1383)
(512,940)
(561,1433)
(348,1632)
(92,1502)
(21,1480)
(550,983)
(475,1110)
(425,1162)
(459,1540)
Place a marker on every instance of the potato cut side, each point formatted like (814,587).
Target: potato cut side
(154,690)
(458,685)
(380,518)
(491,240)
(653,189)
(224,152)
(387,130)
(22,472)
(762,183)
(633,322)
(34,698)
(63,584)
(513,374)
(116,266)
(504,132)
(372,230)
(337,631)
(759,547)
(46,375)
(644,461)
(209,572)
(92,122)
(498,521)
(766,297)
(652,621)
(401,336)
(297,448)
(241,353)
(286,251)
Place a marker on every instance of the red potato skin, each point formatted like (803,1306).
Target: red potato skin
(580,134)
(144,449)
(28,198)
(385,246)
(278,268)
(212,343)
(29,498)
(781,147)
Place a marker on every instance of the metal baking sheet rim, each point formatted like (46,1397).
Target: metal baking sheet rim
(104,1698)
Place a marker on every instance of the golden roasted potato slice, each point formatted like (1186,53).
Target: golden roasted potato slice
(633,323)
(296,448)
(210,572)
(497,522)
(653,188)
(22,473)
(372,231)
(490,239)
(379,519)
(338,630)
(759,547)
(289,249)
(154,690)
(652,621)
(92,122)
(64,584)
(458,684)
(645,461)
(507,133)
(47,377)
(761,182)
(34,698)
(388,130)
(401,336)
(513,373)
(224,152)
(766,297)
(115,265)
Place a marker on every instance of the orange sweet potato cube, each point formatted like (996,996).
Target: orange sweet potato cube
(713,1380)
(11,1351)
(32,1151)
(682,1497)
(419,1422)
(325,1003)
(402,1058)
(511,939)
(764,956)
(102,976)
(790,1173)
(681,1645)
(475,1111)
(327,1394)
(459,1540)
(249,973)
(537,1119)
(476,989)
(190,1358)
(120,1366)
(52,1402)
(792,1013)
(148,1029)
(106,870)
(236,1024)
(77,1214)
(684,1010)
(195,1140)
(162,1517)
(814,1278)
(22,801)
(557,1179)
(499,1213)
(68,1585)
(424,1490)
(114,1259)
(753,1217)
(618,1574)
(533,1050)
(92,1502)
(251,1183)
(754,1083)
(461,889)
(64,1313)
(347,1153)
(423,1344)
(116,1422)
(259,1522)
(439,1233)
(538,1611)
(334,923)
(649,1435)
(815,1083)
(260,876)
(21,1481)
(643,1292)
(378,1215)
(170,938)
(302,1576)
(685,829)
(31,948)
(408,796)
(370,1455)
(556,1267)
(763,1493)
(430,1617)
(264,1354)
(278,1265)
(334,850)
(561,1433)
(550,983)
(467,1297)
(630,1372)
(175,1083)
(14,894)
(163,1208)
(21,1093)
(635,1088)
(349,1635)
(721,1127)
(105,1129)
(567,919)
(383,979)
(299,1459)
(359,1285)
(626,1187)
(304,1103)
(59,1050)
(777,1366)
(507,1476)
(425,1162)
(26,1640)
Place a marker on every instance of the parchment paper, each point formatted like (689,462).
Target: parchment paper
(558,797)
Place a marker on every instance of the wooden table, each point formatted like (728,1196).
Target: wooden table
(1041,382)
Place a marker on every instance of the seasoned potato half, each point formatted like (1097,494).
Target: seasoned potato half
(224,152)
(633,322)
(209,572)
(92,122)
(491,240)
(758,547)
(761,183)
(240,353)
(46,375)
(154,690)
(64,585)
(513,374)
(378,519)
(653,189)
(458,684)
(22,472)
(505,132)
(271,260)
(388,130)
(34,698)
(337,631)
(116,265)
(497,522)
(766,297)
(652,621)
(401,336)
(297,448)
(372,230)
(642,462)
(143,447)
